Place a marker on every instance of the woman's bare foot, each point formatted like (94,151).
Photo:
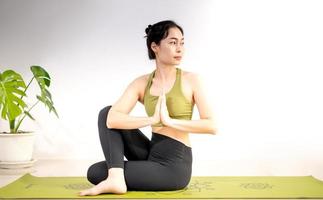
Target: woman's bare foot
(106,186)
(113,184)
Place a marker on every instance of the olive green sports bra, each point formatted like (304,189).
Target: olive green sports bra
(177,105)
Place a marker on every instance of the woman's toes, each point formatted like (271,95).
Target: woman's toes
(106,186)
(85,192)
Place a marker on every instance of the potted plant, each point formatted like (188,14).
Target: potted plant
(17,146)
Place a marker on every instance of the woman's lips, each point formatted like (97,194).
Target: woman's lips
(178,57)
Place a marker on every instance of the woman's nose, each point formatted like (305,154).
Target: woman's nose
(179,48)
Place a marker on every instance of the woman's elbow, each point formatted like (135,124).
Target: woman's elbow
(108,124)
(213,130)
(109,121)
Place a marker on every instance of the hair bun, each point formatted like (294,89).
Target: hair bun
(147,30)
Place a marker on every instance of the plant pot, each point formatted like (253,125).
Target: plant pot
(16,147)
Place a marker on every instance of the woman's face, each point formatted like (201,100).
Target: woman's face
(171,49)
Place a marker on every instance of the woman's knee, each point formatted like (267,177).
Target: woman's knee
(182,185)
(183,182)
(97,172)
(104,111)
(103,114)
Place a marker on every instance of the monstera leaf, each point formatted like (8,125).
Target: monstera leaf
(43,80)
(11,89)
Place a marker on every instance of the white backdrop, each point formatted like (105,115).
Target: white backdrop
(261,63)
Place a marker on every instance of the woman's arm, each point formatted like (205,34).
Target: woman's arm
(194,126)
(206,122)
(118,116)
(124,121)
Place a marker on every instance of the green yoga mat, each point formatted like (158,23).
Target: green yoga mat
(200,187)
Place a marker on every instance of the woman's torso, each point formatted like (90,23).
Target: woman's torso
(187,91)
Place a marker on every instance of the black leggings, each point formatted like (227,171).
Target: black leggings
(161,163)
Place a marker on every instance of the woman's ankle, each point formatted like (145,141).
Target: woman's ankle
(116,172)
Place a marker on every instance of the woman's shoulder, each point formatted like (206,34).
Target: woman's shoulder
(142,78)
(190,76)
(140,81)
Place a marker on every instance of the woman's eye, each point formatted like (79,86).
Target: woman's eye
(173,42)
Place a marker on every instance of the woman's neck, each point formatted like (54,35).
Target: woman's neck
(165,72)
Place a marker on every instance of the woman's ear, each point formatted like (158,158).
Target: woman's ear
(154,47)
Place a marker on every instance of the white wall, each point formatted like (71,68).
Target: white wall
(261,62)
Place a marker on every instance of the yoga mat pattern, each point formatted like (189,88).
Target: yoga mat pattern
(203,187)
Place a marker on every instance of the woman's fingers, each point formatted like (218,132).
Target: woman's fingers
(157,110)
(159,102)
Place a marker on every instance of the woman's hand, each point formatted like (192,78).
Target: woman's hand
(156,116)
(164,115)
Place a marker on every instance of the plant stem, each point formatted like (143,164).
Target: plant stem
(14,129)
(20,120)
(27,86)
(12,126)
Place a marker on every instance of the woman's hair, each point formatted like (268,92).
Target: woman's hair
(157,32)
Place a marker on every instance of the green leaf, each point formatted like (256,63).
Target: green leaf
(11,84)
(12,76)
(17,100)
(43,80)
(29,115)
(40,98)
(41,76)
(54,110)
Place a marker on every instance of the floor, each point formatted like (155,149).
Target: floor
(47,168)
(79,168)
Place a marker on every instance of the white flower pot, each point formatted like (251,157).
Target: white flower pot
(16,147)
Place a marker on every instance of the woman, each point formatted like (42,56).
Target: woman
(168,94)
